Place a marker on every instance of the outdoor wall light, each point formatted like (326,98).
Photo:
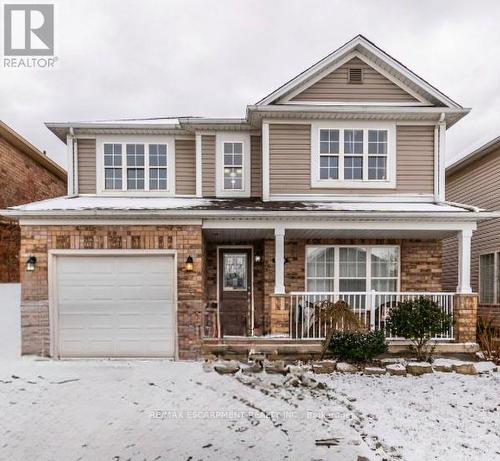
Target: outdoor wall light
(30,263)
(189,264)
(258,258)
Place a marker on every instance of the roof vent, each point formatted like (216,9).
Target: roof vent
(355,75)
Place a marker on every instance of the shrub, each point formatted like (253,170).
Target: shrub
(418,320)
(357,346)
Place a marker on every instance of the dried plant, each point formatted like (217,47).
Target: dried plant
(488,335)
(337,317)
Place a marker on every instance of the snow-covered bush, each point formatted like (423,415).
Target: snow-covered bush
(418,320)
(357,346)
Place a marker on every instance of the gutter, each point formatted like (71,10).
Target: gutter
(271,214)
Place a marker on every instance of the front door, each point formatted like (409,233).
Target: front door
(235,291)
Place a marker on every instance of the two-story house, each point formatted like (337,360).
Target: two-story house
(474,178)
(191,234)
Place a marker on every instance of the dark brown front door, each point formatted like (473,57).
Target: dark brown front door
(235,291)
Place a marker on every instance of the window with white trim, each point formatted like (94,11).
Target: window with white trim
(233,166)
(352,268)
(489,278)
(329,151)
(359,155)
(353,154)
(157,167)
(377,154)
(133,166)
(113,166)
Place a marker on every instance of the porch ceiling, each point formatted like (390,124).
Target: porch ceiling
(242,235)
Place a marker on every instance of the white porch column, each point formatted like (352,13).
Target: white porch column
(464,261)
(279,260)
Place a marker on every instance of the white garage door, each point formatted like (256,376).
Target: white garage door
(116,306)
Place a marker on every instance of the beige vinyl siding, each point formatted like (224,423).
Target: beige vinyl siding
(256,166)
(208,165)
(185,167)
(86,160)
(335,87)
(415,159)
(475,184)
(290,161)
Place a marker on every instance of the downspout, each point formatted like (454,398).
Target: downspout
(71,161)
(442,154)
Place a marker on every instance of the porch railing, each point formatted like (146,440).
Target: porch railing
(372,309)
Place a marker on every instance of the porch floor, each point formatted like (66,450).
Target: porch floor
(304,349)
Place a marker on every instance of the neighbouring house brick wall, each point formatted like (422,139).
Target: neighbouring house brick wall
(22,180)
(421,265)
(10,241)
(38,240)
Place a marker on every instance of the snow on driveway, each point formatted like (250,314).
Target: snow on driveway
(159,410)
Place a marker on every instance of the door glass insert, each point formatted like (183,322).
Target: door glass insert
(235,271)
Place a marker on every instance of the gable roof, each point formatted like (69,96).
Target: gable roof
(473,156)
(365,49)
(15,139)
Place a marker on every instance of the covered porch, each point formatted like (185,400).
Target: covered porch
(266,281)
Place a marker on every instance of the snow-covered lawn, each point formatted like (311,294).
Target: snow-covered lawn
(158,410)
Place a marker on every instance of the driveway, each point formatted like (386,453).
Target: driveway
(160,410)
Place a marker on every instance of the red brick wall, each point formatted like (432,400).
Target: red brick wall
(38,240)
(22,180)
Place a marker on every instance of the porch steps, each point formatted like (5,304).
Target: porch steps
(271,348)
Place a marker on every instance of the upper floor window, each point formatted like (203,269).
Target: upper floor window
(136,166)
(361,156)
(113,166)
(233,166)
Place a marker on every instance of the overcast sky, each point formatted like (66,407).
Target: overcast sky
(147,58)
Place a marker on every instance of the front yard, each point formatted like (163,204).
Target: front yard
(157,410)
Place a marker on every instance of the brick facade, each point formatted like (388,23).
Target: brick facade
(22,180)
(421,269)
(38,240)
(465,317)
(421,266)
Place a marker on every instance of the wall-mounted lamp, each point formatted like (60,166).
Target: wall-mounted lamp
(189,264)
(258,258)
(30,263)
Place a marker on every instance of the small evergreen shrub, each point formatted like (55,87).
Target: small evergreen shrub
(357,346)
(418,320)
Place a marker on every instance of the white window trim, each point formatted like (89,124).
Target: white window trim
(220,139)
(336,262)
(496,276)
(140,139)
(365,183)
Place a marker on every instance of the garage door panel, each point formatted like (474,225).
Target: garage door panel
(116,306)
